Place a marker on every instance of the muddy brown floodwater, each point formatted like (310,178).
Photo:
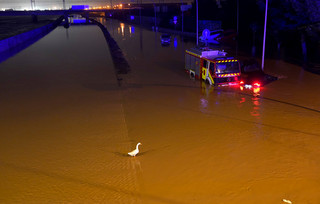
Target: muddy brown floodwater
(66,127)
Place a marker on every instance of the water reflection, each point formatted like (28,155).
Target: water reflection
(256,91)
(255,112)
(131,30)
(100,20)
(207,90)
(129,35)
(135,165)
(67,34)
(156,41)
(203,103)
(256,102)
(141,36)
(122,29)
(256,107)
(175,42)
(77,20)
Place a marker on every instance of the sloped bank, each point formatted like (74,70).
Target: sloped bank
(12,45)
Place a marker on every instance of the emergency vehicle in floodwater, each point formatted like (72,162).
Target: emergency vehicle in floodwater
(212,66)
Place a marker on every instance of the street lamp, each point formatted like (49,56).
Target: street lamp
(197,22)
(155,17)
(237,18)
(181,16)
(33,4)
(264,35)
(140,10)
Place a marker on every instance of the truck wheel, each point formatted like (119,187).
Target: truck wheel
(192,76)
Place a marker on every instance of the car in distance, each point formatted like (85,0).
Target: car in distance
(165,39)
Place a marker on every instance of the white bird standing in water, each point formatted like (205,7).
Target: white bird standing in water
(287,201)
(136,151)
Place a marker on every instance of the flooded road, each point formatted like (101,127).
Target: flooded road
(67,125)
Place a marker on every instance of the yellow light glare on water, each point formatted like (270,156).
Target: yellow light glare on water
(122,28)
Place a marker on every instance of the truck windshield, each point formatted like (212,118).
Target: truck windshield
(227,67)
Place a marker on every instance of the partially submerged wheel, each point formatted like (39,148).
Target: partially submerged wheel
(192,74)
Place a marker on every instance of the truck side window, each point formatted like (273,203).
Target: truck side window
(212,67)
(205,63)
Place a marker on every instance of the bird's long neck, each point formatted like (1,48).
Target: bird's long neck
(137,146)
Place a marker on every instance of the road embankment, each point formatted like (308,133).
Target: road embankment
(13,34)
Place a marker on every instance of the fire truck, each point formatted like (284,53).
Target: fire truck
(212,66)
